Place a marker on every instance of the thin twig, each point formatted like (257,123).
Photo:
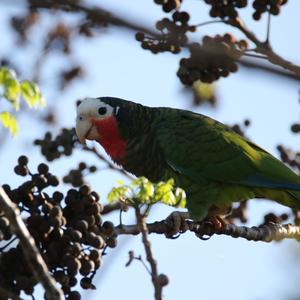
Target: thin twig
(97,14)
(110,208)
(142,227)
(209,22)
(109,164)
(265,49)
(268,28)
(32,254)
(265,233)
(269,68)
(139,258)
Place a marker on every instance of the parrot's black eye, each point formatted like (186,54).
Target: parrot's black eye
(102,110)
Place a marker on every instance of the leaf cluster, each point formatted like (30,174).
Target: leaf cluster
(143,191)
(15,90)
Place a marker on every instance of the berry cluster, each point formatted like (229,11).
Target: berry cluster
(62,144)
(240,129)
(225,9)
(295,128)
(59,38)
(215,58)
(76,176)
(169,5)
(271,6)
(289,157)
(238,213)
(173,34)
(22,24)
(273,218)
(68,76)
(68,231)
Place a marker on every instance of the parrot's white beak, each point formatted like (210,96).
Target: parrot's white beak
(83,128)
(86,130)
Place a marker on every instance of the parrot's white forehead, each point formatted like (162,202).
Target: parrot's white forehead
(91,105)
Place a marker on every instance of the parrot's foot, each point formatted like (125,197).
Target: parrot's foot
(216,222)
(178,224)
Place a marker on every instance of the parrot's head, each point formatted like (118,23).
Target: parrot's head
(91,113)
(108,121)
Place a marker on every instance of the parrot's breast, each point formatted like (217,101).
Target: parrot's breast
(110,139)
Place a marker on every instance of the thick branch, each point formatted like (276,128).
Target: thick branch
(265,233)
(142,227)
(32,254)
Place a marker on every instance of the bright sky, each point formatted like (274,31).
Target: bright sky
(221,268)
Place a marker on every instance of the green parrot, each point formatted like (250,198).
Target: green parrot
(213,164)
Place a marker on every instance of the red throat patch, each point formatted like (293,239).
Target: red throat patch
(110,138)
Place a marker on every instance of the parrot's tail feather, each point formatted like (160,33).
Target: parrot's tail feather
(290,198)
(295,195)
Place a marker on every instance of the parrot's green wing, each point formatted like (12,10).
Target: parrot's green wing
(199,147)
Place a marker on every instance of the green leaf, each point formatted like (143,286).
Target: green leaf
(11,86)
(6,74)
(32,94)
(9,121)
(118,194)
(163,192)
(12,92)
(143,191)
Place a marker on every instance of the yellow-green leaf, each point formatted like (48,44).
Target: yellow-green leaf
(143,191)
(118,194)
(6,74)
(32,94)
(12,91)
(9,121)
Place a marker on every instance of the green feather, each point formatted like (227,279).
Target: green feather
(212,163)
(217,166)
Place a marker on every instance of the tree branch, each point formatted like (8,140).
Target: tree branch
(265,48)
(96,14)
(142,227)
(32,254)
(101,16)
(264,233)
(110,208)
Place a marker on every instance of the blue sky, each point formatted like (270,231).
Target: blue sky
(222,267)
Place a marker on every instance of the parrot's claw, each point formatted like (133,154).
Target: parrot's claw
(178,224)
(216,222)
